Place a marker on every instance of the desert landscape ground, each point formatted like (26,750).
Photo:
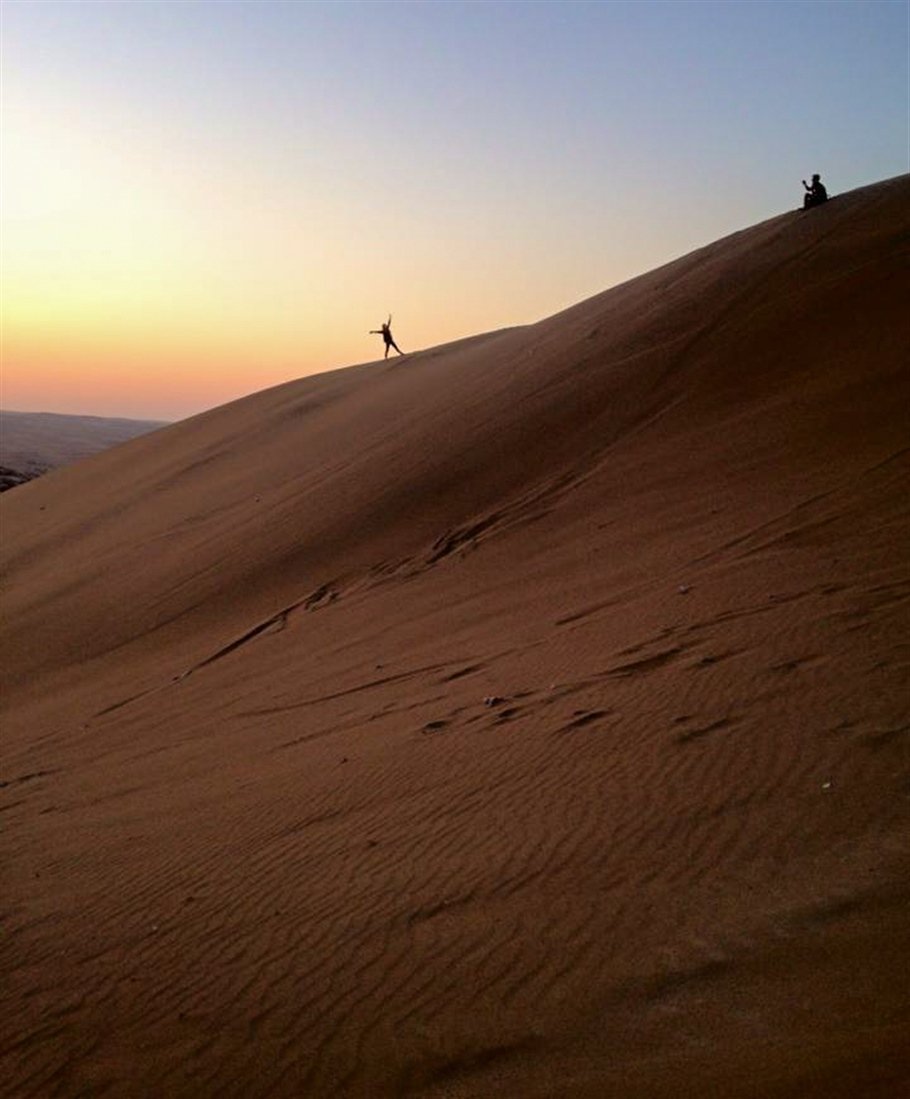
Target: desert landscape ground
(527,716)
(31,443)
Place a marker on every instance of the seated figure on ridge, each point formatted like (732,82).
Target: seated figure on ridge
(815,192)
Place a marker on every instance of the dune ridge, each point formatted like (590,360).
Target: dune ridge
(525,716)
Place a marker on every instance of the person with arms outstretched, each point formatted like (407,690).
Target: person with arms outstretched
(816,192)
(386,333)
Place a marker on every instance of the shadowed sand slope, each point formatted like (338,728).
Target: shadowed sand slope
(527,716)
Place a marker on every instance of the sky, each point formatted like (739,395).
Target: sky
(204,198)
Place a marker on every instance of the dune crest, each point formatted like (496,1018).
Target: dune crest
(525,716)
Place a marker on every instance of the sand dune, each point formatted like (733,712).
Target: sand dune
(33,442)
(527,716)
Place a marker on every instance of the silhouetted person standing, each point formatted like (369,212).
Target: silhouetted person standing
(386,333)
(815,192)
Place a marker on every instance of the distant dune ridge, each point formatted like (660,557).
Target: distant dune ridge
(526,716)
(33,442)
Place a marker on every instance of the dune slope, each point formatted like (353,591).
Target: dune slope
(525,716)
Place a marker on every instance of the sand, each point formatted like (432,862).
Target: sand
(526,716)
(33,442)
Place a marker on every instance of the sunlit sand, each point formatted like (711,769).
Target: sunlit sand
(525,716)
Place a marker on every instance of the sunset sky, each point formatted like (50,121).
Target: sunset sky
(202,199)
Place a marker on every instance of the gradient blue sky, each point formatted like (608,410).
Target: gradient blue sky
(202,199)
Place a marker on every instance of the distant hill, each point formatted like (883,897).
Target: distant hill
(31,443)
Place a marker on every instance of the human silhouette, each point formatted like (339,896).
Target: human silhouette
(386,333)
(815,192)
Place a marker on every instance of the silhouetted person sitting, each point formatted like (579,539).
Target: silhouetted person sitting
(386,333)
(815,192)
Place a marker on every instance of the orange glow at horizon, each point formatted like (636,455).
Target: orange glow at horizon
(153,274)
(150,379)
